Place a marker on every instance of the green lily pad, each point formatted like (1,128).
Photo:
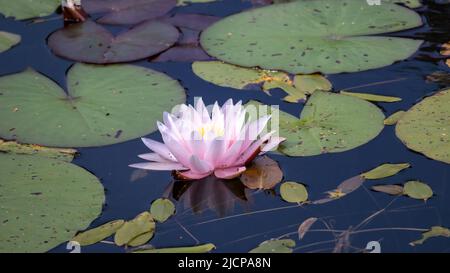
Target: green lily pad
(44,202)
(8,40)
(162,209)
(417,190)
(394,118)
(141,239)
(293,192)
(314,36)
(188,249)
(27,9)
(409,3)
(143,224)
(435,231)
(103,105)
(385,170)
(97,234)
(371,97)
(425,128)
(12,147)
(330,123)
(275,246)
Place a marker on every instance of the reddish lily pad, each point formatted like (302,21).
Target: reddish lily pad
(91,43)
(128,12)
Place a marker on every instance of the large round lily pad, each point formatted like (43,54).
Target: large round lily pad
(314,36)
(44,202)
(27,9)
(92,43)
(425,128)
(103,105)
(329,123)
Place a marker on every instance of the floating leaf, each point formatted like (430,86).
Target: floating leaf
(293,192)
(330,123)
(97,234)
(306,226)
(435,231)
(191,21)
(44,202)
(91,43)
(409,3)
(311,83)
(104,105)
(314,36)
(191,249)
(27,9)
(417,190)
(371,97)
(275,246)
(162,209)
(128,12)
(142,224)
(183,53)
(389,189)
(141,239)
(13,147)
(351,184)
(8,40)
(263,173)
(394,118)
(385,170)
(425,127)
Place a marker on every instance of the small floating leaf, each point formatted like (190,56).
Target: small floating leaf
(97,234)
(389,189)
(306,226)
(27,9)
(142,224)
(351,184)
(425,127)
(8,40)
(417,190)
(293,192)
(385,170)
(190,249)
(128,12)
(264,173)
(314,36)
(91,43)
(162,209)
(103,105)
(141,239)
(394,118)
(435,231)
(275,246)
(371,97)
(44,202)
(311,83)
(13,147)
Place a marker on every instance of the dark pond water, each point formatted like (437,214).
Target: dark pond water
(255,216)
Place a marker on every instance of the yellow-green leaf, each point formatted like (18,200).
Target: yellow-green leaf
(371,97)
(293,192)
(417,190)
(13,147)
(311,83)
(143,223)
(141,239)
(97,234)
(385,170)
(392,119)
(190,249)
(162,209)
(275,246)
(435,231)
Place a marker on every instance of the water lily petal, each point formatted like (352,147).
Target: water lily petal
(190,175)
(200,166)
(229,173)
(158,166)
(253,150)
(272,144)
(159,148)
(154,157)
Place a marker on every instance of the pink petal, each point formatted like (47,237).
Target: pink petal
(253,150)
(159,148)
(229,173)
(272,143)
(190,175)
(215,151)
(153,157)
(200,166)
(158,166)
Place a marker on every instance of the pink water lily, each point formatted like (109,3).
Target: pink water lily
(198,143)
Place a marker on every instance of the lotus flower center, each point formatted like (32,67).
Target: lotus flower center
(216,130)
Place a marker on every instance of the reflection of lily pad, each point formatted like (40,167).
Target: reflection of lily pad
(425,128)
(8,40)
(128,12)
(26,9)
(44,202)
(91,43)
(330,123)
(104,105)
(311,36)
